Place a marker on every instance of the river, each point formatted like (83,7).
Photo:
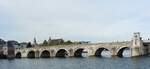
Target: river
(105,62)
(77,63)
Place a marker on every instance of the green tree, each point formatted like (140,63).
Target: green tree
(29,45)
(68,42)
(45,43)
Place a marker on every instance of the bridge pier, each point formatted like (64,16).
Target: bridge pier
(37,54)
(71,53)
(52,52)
(113,52)
(137,45)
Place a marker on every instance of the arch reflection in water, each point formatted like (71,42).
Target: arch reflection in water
(127,52)
(45,54)
(31,54)
(124,52)
(62,53)
(102,52)
(18,55)
(2,56)
(81,53)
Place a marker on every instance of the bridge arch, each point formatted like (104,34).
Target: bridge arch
(121,50)
(3,56)
(78,52)
(31,54)
(99,51)
(62,53)
(45,54)
(18,55)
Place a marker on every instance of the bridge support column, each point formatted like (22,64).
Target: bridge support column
(137,45)
(52,52)
(71,53)
(37,54)
(113,52)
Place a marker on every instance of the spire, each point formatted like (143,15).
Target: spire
(35,43)
(49,40)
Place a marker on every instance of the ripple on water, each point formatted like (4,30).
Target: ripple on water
(77,63)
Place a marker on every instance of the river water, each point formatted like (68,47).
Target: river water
(105,62)
(77,63)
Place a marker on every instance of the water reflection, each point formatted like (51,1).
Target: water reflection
(127,53)
(77,63)
(107,54)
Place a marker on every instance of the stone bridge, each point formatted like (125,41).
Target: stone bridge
(74,50)
(116,49)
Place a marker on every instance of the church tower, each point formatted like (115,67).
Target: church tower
(49,40)
(35,43)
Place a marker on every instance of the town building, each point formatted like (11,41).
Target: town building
(3,49)
(23,45)
(55,41)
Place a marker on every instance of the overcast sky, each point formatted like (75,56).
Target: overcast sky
(77,20)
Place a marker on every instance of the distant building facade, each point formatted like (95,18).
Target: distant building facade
(3,49)
(84,42)
(11,48)
(14,44)
(55,41)
(7,48)
(2,44)
(23,45)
